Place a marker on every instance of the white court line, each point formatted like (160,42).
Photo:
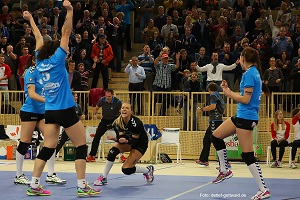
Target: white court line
(188,191)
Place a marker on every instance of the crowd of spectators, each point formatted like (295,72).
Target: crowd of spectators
(208,32)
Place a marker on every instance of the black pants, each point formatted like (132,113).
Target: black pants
(62,140)
(127,38)
(105,77)
(102,128)
(207,141)
(295,145)
(281,146)
(137,97)
(162,98)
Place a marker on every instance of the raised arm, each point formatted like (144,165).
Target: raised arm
(37,34)
(67,27)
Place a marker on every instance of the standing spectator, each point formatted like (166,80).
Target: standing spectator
(136,78)
(22,62)
(5,73)
(10,59)
(280,130)
(284,64)
(19,46)
(179,22)
(148,32)
(85,24)
(295,76)
(282,43)
(215,109)
(114,37)
(29,38)
(284,14)
(296,142)
(104,54)
(162,81)
(170,3)
(273,78)
(161,19)
(3,44)
(146,61)
(215,69)
(126,7)
(155,44)
(146,12)
(189,43)
(168,28)
(111,106)
(201,31)
(227,58)
(74,76)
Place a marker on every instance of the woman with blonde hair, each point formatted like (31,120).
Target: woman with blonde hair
(130,137)
(280,130)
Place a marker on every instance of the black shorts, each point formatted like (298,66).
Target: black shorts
(142,148)
(65,118)
(31,117)
(244,123)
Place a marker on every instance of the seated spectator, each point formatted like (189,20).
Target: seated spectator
(296,142)
(280,130)
(148,32)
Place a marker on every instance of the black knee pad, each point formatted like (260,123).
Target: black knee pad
(112,154)
(46,153)
(249,158)
(219,144)
(81,152)
(23,148)
(128,171)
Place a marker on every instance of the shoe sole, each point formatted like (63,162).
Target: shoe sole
(89,195)
(32,194)
(52,182)
(16,183)
(100,184)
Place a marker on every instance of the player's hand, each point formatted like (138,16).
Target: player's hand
(224,85)
(67,4)
(27,15)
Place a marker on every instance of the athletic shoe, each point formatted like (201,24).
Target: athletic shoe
(262,195)
(88,191)
(206,164)
(228,166)
(100,181)
(274,164)
(123,158)
(54,179)
(22,180)
(39,191)
(149,176)
(90,159)
(222,176)
(279,164)
(293,165)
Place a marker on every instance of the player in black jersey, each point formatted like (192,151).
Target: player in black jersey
(132,137)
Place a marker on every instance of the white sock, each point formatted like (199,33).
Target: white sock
(257,175)
(141,170)
(35,182)
(50,164)
(19,163)
(107,168)
(222,154)
(81,183)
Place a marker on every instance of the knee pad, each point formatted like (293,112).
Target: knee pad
(23,148)
(249,158)
(81,152)
(46,153)
(112,154)
(219,144)
(128,171)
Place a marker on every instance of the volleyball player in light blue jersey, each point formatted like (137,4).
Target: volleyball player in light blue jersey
(243,122)
(32,115)
(59,105)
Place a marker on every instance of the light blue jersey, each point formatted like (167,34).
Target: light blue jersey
(250,79)
(56,83)
(32,77)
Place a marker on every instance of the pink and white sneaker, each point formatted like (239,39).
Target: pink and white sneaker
(222,176)
(262,194)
